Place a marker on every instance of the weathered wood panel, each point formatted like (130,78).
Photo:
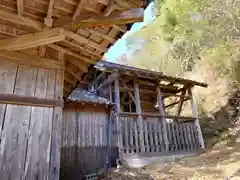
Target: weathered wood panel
(182,136)
(84,141)
(26,137)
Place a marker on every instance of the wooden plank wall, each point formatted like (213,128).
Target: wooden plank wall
(84,141)
(182,136)
(30,136)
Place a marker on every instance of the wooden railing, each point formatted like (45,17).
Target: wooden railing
(147,136)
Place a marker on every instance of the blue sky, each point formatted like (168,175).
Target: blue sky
(120,46)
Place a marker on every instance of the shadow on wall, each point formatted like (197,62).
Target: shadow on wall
(79,161)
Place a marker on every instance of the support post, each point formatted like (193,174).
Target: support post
(110,93)
(181,101)
(118,120)
(195,114)
(140,118)
(163,117)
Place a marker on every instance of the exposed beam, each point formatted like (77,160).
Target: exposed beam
(71,53)
(80,39)
(89,52)
(121,28)
(172,104)
(29,101)
(93,19)
(67,87)
(78,65)
(79,8)
(110,8)
(69,79)
(30,60)
(105,36)
(20,7)
(47,36)
(109,80)
(42,51)
(61,56)
(97,79)
(48,19)
(73,2)
(76,75)
(20,21)
(129,93)
(180,105)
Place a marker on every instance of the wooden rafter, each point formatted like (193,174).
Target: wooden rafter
(67,87)
(76,75)
(84,20)
(89,52)
(68,78)
(79,8)
(81,39)
(110,8)
(48,19)
(39,41)
(109,80)
(20,7)
(129,93)
(20,21)
(180,105)
(105,36)
(71,53)
(92,19)
(42,51)
(74,3)
(172,104)
(30,60)
(79,65)
(96,80)
(120,28)
(47,36)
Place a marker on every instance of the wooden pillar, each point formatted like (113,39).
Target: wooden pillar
(118,120)
(181,101)
(163,118)
(195,114)
(55,155)
(110,93)
(140,118)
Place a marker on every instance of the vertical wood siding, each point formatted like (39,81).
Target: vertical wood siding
(182,137)
(30,144)
(84,141)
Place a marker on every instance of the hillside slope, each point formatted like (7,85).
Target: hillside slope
(199,40)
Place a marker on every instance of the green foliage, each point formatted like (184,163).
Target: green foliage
(186,31)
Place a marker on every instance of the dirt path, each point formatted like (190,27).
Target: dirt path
(220,163)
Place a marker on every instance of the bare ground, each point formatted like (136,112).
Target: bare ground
(222,162)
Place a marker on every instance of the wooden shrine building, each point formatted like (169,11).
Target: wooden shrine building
(126,113)
(49,49)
